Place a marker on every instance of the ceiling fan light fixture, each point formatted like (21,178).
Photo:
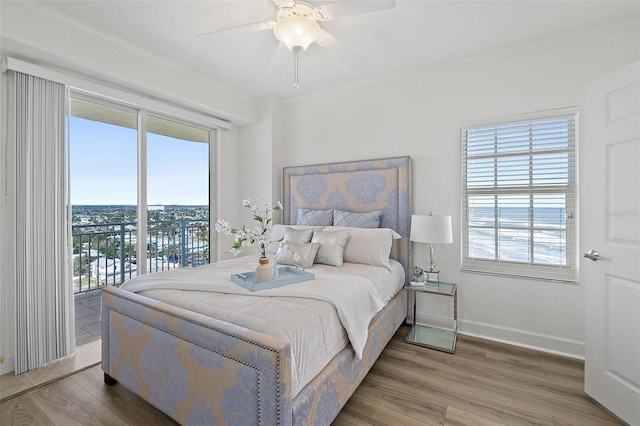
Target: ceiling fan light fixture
(297,32)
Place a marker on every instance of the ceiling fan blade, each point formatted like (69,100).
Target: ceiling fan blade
(340,9)
(243,28)
(326,38)
(342,52)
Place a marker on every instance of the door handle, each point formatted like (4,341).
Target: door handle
(592,254)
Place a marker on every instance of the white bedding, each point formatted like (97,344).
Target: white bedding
(319,317)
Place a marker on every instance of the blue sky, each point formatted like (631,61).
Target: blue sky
(104,163)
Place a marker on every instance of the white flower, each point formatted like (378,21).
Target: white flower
(223,227)
(258,236)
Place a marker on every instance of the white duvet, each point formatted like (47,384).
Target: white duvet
(315,316)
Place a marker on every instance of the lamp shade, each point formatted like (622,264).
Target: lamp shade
(297,32)
(431,229)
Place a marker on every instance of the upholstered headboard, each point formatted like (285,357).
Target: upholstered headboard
(357,186)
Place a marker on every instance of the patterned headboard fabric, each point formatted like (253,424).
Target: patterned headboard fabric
(358,186)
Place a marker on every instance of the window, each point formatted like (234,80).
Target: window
(519,196)
(135,176)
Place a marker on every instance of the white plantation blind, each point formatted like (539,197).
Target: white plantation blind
(519,196)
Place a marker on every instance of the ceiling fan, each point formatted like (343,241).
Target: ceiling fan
(296,25)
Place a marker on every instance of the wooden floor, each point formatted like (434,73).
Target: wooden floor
(483,383)
(86,355)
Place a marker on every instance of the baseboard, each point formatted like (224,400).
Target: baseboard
(526,339)
(8,365)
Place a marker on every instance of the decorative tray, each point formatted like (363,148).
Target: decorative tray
(286,275)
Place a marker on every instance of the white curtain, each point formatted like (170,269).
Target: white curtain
(44,296)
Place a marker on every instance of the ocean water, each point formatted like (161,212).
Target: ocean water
(545,245)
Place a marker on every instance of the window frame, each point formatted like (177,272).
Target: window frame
(530,268)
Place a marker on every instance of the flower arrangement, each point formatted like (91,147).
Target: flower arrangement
(259,235)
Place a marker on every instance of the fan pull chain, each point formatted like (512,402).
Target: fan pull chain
(296,81)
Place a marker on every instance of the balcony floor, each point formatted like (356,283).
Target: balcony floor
(87,309)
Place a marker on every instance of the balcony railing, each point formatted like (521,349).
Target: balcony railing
(105,254)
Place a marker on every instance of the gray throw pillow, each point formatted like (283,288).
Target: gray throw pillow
(297,254)
(299,236)
(331,249)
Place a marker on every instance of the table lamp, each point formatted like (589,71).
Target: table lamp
(432,230)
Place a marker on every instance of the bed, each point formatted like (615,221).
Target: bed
(203,368)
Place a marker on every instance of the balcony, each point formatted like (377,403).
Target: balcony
(105,254)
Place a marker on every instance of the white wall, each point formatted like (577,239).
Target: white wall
(420,115)
(256,158)
(227,186)
(258,177)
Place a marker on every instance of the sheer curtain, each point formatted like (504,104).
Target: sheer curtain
(44,295)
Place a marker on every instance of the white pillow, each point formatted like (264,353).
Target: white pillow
(297,254)
(331,249)
(278,232)
(367,245)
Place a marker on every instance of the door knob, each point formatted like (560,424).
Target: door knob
(592,254)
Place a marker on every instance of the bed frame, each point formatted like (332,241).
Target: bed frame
(201,370)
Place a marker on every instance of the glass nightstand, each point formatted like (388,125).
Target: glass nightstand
(434,337)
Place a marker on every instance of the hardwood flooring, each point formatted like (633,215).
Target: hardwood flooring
(86,355)
(483,383)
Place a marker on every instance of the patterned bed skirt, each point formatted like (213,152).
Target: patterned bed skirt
(200,370)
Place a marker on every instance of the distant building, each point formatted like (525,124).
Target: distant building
(103,268)
(156,207)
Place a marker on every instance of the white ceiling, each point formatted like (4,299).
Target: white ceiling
(412,36)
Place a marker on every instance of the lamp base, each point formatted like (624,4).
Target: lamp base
(433,276)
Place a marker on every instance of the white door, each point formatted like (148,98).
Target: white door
(610,201)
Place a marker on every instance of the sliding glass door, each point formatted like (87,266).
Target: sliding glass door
(139,185)
(103,142)
(177,194)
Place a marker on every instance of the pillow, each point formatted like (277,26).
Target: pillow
(297,254)
(368,246)
(309,217)
(331,248)
(278,231)
(357,220)
(300,236)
